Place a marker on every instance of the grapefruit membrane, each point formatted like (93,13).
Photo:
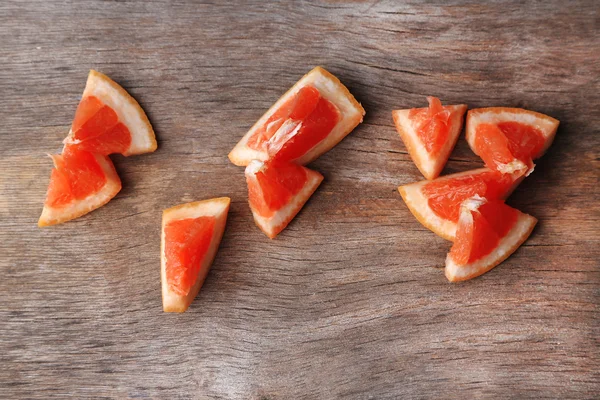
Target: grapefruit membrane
(436,203)
(191,234)
(108,120)
(430,134)
(277,192)
(80,182)
(509,139)
(488,232)
(309,119)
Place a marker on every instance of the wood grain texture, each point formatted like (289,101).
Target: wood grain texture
(349,301)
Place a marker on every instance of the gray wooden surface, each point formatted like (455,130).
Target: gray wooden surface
(349,301)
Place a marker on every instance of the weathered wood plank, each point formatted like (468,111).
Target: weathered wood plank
(349,301)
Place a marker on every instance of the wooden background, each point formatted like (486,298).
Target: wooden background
(350,301)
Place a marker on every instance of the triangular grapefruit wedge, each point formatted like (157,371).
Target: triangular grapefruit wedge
(509,139)
(108,120)
(80,182)
(277,192)
(436,204)
(309,119)
(488,232)
(430,134)
(191,234)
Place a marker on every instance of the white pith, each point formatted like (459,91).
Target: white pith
(288,130)
(472,204)
(513,166)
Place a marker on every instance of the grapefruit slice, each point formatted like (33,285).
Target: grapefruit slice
(277,192)
(80,182)
(108,120)
(436,204)
(430,134)
(309,119)
(488,232)
(191,234)
(509,139)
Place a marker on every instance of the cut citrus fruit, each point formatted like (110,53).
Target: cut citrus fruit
(430,134)
(311,118)
(277,191)
(509,139)
(488,232)
(191,234)
(80,182)
(108,120)
(436,204)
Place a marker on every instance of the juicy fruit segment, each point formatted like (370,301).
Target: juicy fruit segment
(277,191)
(289,145)
(488,233)
(59,189)
(272,187)
(86,109)
(429,134)
(524,141)
(80,182)
(75,176)
(508,146)
(431,124)
(186,243)
(444,196)
(190,238)
(108,120)
(481,226)
(494,149)
(509,139)
(492,146)
(96,128)
(295,108)
(297,126)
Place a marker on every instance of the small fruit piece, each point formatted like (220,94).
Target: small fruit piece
(436,203)
(308,120)
(80,182)
(430,134)
(509,139)
(277,191)
(488,232)
(190,238)
(108,120)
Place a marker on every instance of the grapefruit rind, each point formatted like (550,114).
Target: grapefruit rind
(417,203)
(331,89)
(494,115)
(507,246)
(276,223)
(128,110)
(77,208)
(218,208)
(429,166)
